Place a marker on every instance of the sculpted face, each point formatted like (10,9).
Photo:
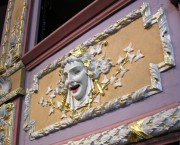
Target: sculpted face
(76,79)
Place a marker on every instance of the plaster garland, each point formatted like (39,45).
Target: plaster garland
(122,100)
(158,124)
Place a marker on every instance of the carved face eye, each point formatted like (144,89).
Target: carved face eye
(76,70)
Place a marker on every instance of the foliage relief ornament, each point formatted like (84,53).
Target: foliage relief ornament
(80,55)
(5,86)
(146,128)
(77,85)
(6,123)
(13,38)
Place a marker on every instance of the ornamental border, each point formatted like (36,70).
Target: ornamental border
(160,123)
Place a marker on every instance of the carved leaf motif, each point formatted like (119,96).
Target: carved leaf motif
(112,79)
(41,100)
(138,55)
(130,57)
(63,115)
(96,49)
(45,102)
(97,99)
(52,95)
(51,110)
(120,60)
(105,80)
(123,71)
(129,48)
(35,87)
(48,90)
(59,104)
(118,83)
(139,94)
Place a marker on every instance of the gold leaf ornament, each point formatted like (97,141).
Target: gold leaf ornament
(78,52)
(86,63)
(137,132)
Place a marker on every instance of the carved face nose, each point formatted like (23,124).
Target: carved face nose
(68,80)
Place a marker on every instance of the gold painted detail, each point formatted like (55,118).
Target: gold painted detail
(13,38)
(78,52)
(151,126)
(119,102)
(137,132)
(94,94)
(6,123)
(6,35)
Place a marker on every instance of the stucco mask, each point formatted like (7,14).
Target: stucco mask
(76,79)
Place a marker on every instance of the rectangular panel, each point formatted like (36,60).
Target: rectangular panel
(113,69)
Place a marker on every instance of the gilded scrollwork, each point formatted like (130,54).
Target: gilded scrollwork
(84,60)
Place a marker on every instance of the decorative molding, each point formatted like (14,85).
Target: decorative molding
(160,123)
(13,38)
(7,112)
(85,20)
(12,94)
(14,69)
(18,91)
(5,86)
(6,34)
(121,101)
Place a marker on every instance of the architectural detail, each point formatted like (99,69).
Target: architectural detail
(5,86)
(6,123)
(6,35)
(13,38)
(12,93)
(79,61)
(18,91)
(158,124)
(13,69)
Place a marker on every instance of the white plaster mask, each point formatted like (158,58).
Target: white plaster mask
(76,79)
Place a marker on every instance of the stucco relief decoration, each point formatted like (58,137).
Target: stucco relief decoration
(13,35)
(6,123)
(13,53)
(11,66)
(158,124)
(5,86)
(89,74)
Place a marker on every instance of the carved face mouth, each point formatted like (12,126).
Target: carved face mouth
(74,88)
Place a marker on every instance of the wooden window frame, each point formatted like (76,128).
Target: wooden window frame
(92,15)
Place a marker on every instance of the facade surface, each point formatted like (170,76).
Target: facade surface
(151,117)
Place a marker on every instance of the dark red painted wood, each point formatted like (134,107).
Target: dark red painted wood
(17,118)
(81,23)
